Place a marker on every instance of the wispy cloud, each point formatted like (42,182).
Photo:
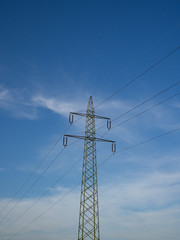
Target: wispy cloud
(149,191)
(129,209)
(21,105)
(133,208)
(5,96)
(15,102)
(176,104)
(56,105)
(164,118)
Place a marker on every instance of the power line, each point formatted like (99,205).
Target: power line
(100,165)
(145,141)
(126,85)
(142,103)
(27,179)
(158,41)
(49,189)
(55,203)
(134,116)
(31,186)
(35,182)
(146,110)
(140,75)
(34,171)
(147,100)
(60,178)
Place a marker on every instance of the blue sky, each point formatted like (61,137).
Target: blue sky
(53,56)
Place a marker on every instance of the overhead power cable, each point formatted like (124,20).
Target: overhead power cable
(66,172)
(135,115)
(142,103)
(147,100)
(158,41)
(55,203)
(34,171)
(34,183)
(126,85)
(139,76)
(44,194)
(28,178)
(146,110)
(143,142)
(100,165)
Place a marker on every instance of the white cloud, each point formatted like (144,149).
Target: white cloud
(14,102)
(154,224)
(155,190)
(63,107)
(114,106)
(20,105)
(56,105)
(176,104)
(164,117)
(145,207)
(4,94)
(23,107)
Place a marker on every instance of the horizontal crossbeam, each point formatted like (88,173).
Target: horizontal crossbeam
(89,138)
(89,114)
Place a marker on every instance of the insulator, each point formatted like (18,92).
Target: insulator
(64,141)
(108,124)
(71,118)
(113,147)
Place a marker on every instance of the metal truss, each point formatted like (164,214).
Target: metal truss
(89,208)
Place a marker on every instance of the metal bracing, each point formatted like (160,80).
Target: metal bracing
(89,208)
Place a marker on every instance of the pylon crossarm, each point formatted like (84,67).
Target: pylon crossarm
(89,138)
(103,140)
(88,115)
(91,115)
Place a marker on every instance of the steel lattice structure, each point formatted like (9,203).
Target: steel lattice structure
(89,208)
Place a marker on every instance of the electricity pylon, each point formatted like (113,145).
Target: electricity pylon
(89,208)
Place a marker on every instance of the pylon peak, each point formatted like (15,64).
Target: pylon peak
(90,105)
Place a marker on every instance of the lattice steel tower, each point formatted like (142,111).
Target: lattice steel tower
(89,208)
